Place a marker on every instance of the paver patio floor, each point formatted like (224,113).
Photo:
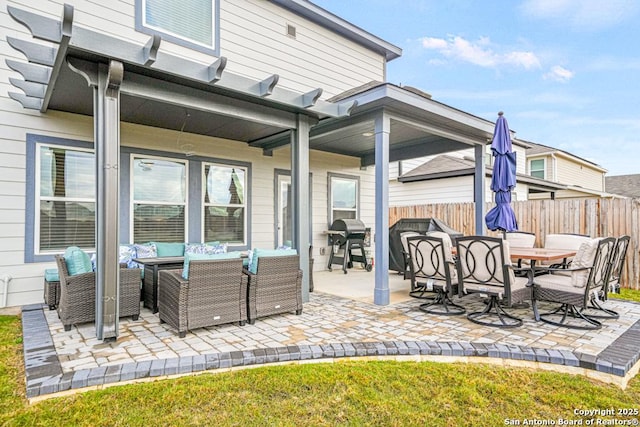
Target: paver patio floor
(330,327)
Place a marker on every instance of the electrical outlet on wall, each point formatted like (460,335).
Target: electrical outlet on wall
(322,251)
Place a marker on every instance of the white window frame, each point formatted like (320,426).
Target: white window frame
(213,49)
(132,202)
(544,168)
(206,205)
(39,198)
(354,178)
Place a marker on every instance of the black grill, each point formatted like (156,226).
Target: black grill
(347,238)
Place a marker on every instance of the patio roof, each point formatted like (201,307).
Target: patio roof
(158,88)
(162,90)
(420,126)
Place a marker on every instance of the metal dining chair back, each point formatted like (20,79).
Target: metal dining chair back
(617,264)
(484,267)
(433,269)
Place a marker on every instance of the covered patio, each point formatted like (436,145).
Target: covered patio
(338,322)
(91,73)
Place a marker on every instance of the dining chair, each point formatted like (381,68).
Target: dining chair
(484,267)
(405,252)
(595,308)
(433,269)
(617,266)
(575,287)
(418,289)
(564,241)
(520,239)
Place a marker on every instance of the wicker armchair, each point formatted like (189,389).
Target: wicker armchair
(77,302)
(215,293)
(276,287)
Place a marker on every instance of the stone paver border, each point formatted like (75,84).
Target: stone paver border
(44,377)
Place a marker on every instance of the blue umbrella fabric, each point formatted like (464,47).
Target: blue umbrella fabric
(503,179)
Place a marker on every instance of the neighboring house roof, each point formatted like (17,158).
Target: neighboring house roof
(445,166)
(535,150)
(322,17)
(624,185)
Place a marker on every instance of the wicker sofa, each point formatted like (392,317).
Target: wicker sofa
(214,293)
(275,288)
(77,303)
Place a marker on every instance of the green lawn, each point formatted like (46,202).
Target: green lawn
(324,394)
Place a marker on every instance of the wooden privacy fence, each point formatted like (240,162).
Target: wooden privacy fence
(593,217)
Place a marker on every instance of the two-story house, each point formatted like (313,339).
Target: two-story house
(581,177)
(250,122)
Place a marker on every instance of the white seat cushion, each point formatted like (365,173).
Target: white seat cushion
(516,284)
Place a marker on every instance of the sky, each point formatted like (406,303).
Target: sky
(566,73)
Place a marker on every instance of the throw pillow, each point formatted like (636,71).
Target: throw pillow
(78,261)
(584,258)
(193,257)
(146,251)
(204,248)
(127,254)
(257,253)
(169,249)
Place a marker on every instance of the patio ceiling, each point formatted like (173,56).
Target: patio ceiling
(149,98)
(420,126)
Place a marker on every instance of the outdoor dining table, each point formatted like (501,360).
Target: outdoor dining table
(150,283)
(539,254)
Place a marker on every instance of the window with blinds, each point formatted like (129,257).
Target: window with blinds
(224,203)
(344,197)
(66,205)
(189,20)
(159,195)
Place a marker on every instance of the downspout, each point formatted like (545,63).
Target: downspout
(5,289)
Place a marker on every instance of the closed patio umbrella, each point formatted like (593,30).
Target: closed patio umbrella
(503,179)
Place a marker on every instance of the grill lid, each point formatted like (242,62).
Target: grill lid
(349,226)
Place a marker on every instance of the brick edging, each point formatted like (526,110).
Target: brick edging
(44,374)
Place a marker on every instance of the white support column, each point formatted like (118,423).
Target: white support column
(300,197)
(382,129)
(479,189)
(107,151)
